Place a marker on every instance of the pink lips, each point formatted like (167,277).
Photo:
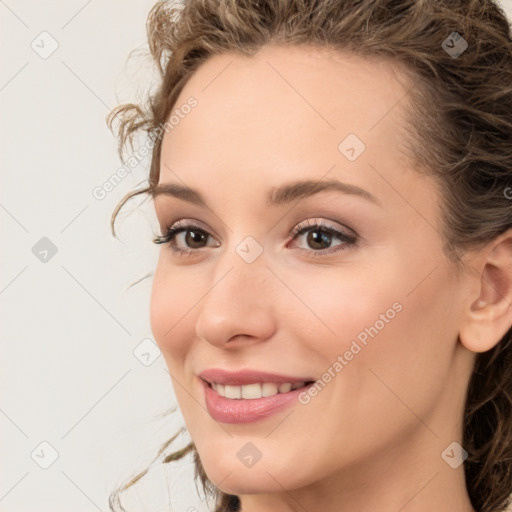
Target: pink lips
(247,377)
(228,410)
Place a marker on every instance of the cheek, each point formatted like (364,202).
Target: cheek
(172,297)
(380,323)
(396,348)
(339,306)
(406,352)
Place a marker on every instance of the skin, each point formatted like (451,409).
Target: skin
(372,439)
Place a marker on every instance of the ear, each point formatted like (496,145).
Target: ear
(489,313)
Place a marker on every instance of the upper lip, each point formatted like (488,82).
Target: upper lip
(248,376)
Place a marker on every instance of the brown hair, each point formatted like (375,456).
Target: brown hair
(460,120)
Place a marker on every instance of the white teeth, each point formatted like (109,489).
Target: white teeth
(284,388)
(254,391)
(232,391)
(269,389)
(251,391)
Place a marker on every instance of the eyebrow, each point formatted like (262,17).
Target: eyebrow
(277,196)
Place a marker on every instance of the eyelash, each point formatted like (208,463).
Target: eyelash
(178,227)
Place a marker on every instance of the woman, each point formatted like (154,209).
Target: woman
(333,294)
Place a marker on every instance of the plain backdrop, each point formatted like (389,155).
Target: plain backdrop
(82,382)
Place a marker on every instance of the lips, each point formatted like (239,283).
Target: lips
(241,378)
(231,397)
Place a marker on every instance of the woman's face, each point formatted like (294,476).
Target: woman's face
(368,305)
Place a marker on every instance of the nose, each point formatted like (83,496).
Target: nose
(237,306)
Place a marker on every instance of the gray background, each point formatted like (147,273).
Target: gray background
(79,369)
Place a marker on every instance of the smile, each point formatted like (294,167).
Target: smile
(250,402)
(257,390)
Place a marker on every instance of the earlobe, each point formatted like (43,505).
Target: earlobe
(489,315)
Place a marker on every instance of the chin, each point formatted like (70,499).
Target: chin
(250,483)
(233,477)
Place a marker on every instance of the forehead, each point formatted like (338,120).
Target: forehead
(311,83)
(284,113)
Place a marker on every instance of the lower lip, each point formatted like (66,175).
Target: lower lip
(228,410)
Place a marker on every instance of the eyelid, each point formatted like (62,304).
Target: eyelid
(326,224)
(184,223)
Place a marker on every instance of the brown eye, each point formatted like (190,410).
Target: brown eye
(194,238)
(184,239)
(320,238)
